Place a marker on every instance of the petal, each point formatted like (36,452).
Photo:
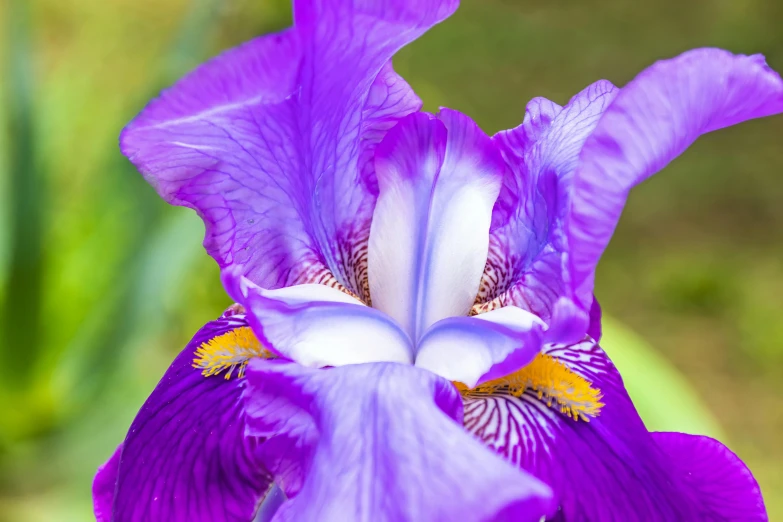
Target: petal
(472,350)
(316,325)
(594,329)
(539,114)
(288,430)
(269,141)
(609,468)
(103,487)
(186,456)
(388,448)
(720,477)
(438,180)
(652,121)
(389,99)
(525,266)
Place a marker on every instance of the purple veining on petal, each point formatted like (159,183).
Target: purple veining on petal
(525,266)
(186,456)
(269,142)
(389,99)
(387,448)
(607,469)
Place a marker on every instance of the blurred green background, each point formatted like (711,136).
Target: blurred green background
(101,283)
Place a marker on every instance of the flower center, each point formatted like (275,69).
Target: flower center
(553,382)
(228,352)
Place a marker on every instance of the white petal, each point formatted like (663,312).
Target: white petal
(317,326)
(476,349)
(438,180)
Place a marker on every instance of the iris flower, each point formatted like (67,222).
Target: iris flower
(415,336)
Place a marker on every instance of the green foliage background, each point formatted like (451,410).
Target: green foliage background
(101,284)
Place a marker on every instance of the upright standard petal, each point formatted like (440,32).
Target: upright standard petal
(610,467)
(186,456)
(269,141)
(317,326)
(389,450)
(438,180)
(652,121)
(526,262)
(471,350)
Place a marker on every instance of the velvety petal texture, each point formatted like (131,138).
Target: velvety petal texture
(653,120)
(270,142)
(186,456)
(438,179)
(609,468)
(389,448)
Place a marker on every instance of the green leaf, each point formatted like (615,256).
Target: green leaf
(21,304)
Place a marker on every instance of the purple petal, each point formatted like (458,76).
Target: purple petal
(525,266)
(186,456)
(288,429)
(317,326)
(438,179)
(269,142)
(609,468)
(539,114)
(472,350)
(390,98)
(594,329)
(103,487)
(388,448)
(719,476)
(652,121)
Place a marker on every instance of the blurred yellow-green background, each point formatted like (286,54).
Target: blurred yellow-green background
(101,283)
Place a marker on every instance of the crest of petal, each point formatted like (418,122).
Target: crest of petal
(186,456)
(653,120)
(472,350)
(317,326)
(388,449)
(525,265)
(610,468)
(438,180)
(269,141)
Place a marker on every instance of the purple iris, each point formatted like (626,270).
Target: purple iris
(415,337)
